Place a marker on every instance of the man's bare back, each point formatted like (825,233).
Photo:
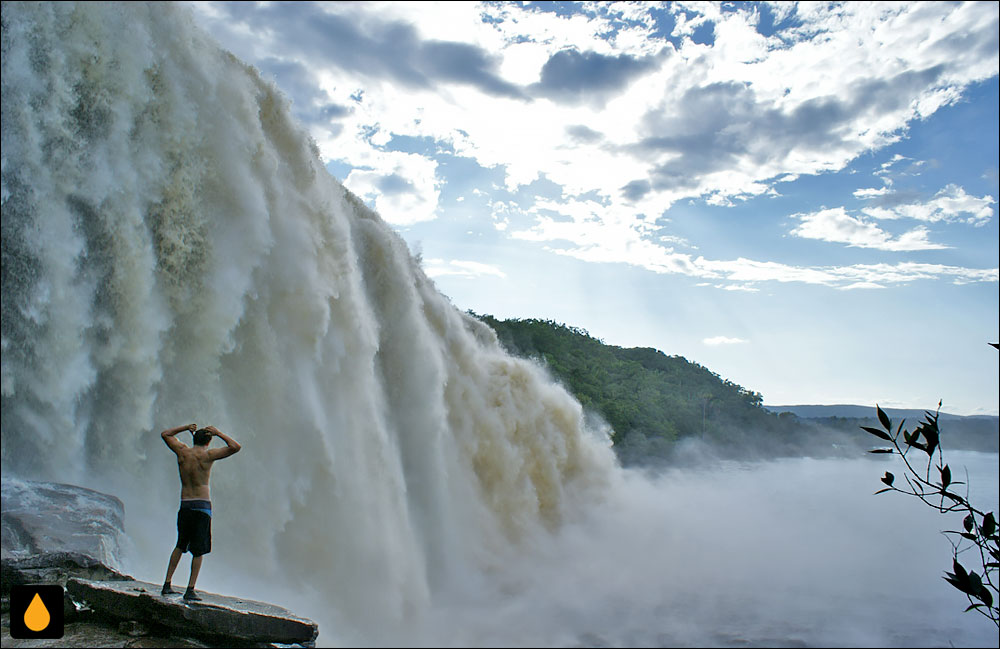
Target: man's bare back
(194,463)
(195,468)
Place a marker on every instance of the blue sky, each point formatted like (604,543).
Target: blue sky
(801,197)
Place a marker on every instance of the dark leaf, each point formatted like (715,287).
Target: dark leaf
(878,433)
(966,535)
(986,596)
(972,606)
(975,585)
(989,525)
(945,476)
(912,439)
(881,450)
(969,522)
(964,585)
(954,580)
(959,570)
(883,418)
(888,478)
(931,434)
(881,491)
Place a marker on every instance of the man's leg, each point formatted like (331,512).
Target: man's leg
(189,594)
(175,557)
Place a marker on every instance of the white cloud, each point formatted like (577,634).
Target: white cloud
(894,160)
(738,287)
(837,226)
(461,268)
(804,101)
(748,270)
(404,186)
(861,285)
(720,123)
(601,234)
(871,192)
(723,340)
(951,204)
(588,231)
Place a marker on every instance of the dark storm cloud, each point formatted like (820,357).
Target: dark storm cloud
(573,77)
(636,189)
(713,128)
(310,103)
(464,63)
(381,49)
(335,111)
(394,184)
(583,134)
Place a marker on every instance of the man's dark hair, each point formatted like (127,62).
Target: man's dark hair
(202,437)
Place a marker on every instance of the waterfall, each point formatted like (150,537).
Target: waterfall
(175,252)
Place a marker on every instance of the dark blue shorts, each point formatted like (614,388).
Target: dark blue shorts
(194,527)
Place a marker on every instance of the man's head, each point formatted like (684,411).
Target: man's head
(202,437)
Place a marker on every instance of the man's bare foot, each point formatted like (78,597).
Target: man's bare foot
(167,590)
(191,596)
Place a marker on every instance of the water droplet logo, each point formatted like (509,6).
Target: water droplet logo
(37,616)
(36,611)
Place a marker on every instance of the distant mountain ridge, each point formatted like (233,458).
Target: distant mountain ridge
(967,432)
(862,412)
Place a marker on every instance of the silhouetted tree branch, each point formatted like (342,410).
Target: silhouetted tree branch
(934,485)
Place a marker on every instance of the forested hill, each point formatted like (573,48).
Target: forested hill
(651,400)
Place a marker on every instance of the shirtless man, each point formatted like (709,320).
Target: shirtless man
(194,519)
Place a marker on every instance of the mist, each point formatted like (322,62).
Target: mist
(790,552)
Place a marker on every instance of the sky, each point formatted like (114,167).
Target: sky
(800,197)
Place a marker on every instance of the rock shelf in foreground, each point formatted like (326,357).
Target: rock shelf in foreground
(216,615)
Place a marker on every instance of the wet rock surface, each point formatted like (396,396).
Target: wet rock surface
(98,634)
(214,616)
(38,518)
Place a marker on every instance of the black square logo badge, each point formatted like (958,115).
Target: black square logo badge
(36,612)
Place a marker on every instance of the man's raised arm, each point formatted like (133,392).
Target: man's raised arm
(171,441)
(232,446)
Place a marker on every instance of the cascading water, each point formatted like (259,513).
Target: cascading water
(174,252)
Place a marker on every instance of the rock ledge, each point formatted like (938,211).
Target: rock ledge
(216,616)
